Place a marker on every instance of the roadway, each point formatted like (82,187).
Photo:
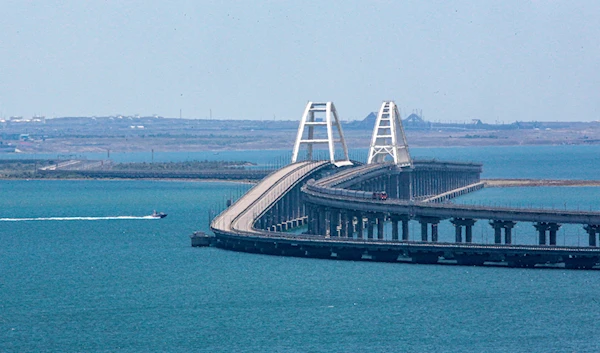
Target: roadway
(240,216)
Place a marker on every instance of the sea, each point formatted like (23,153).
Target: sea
(83,269)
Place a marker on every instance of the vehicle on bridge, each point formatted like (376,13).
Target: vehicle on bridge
(380,195)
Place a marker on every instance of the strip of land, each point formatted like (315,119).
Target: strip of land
(89,169)
(503,183)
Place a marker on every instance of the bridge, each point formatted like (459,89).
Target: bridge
(341,210)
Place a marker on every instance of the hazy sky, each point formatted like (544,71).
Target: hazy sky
(492,60)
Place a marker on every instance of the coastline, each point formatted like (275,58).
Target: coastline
(190,180)
(489,183)
(505,183)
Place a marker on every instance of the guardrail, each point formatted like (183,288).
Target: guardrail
(256,201)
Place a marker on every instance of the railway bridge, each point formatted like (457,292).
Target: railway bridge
(338,206)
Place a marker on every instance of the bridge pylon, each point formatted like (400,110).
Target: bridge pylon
(388,139)
(319,130)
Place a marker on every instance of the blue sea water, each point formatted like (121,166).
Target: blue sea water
(131,285)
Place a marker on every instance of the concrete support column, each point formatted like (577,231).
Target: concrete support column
(542,227)
(287,206)
(469,233)
(360,226)
(592,230)
(508,232)
(297,203)
(458,233)
(279,208)
(380,223)
(294,203)
(424,234)
(334,221)
(405,229)
(267,219)
(553,228)
(425,221)
(314,219)
(322,216)
(459,223)
(275,213)
(310,221)
(301,208)
(344,224)
(497,233)
(370,226)
(352,224)
(394,220)
(498,225)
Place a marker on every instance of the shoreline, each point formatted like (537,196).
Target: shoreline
(503,183)
(417,145)
(489,183)
(190,180)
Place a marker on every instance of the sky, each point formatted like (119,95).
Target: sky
(498,61)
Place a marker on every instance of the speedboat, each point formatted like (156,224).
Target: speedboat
(158,215)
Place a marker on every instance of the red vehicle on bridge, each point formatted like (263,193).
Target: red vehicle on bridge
(380,195)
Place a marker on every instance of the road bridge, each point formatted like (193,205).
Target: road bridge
(342,216)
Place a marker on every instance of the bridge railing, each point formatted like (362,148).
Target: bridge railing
(259,202)
(276,192)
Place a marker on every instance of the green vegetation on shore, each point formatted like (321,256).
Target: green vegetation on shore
(22,168)
(34,168)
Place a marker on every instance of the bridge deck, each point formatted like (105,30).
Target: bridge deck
(327,197)
(235,230)
(241,215)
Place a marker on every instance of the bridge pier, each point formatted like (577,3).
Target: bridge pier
(360,225)
(425,222)
(278,213)
(370,226)
(344,224)
(380,222)
(395,226)
(424,235)
(313,219)
(498,226)
(592,229)
(286,210)
(321,224)
(405,228)
(542,227)
(334,221)
(554,227)
(468,224)
(310,219)
(394,220)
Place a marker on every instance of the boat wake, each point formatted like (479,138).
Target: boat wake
(76,218)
